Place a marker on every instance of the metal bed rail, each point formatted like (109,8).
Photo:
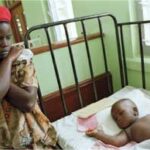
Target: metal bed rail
(82,20)
(139,26)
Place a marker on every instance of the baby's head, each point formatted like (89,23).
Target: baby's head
(124,112)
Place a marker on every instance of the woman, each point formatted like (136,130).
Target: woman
(22,124)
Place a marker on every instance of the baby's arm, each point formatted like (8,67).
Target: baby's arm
(117,140)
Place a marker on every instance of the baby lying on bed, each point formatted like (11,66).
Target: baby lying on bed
(125,114)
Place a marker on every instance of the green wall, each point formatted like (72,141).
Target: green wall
(119,8)
(45,70)
(36,12)
(124,10)
(1,2)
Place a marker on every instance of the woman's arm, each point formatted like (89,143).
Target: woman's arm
(116,140)
(5,70)
(23,99)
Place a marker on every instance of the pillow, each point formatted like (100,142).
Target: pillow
(95,107)
(140,98)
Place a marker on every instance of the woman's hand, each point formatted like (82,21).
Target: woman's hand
(14,53)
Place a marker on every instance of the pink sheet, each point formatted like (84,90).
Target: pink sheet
(84,124)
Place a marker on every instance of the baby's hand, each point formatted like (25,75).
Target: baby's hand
(91,133)
(95,133)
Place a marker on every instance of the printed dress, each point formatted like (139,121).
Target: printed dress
(20,130)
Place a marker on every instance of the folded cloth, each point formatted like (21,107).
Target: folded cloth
(95,107)
(84,124)
(25,55)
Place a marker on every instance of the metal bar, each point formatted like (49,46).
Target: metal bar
(89,60)
(73,65)
(104,52)
(124,55)
(41,100)
(142,56)
(85,18)
(134,22)
(56,72)
(46,25)
(103,45)
(119,50)
(26,38)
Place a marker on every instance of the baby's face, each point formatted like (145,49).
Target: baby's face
(124,114)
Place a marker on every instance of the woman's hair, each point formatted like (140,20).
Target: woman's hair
(1,22)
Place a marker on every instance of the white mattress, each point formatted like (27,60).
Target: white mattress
(70,139)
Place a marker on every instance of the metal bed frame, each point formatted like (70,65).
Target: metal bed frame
(139,25)
(120,50)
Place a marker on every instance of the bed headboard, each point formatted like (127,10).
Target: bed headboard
(66,100)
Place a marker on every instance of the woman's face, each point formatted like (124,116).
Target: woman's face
(5,36)
(124,114)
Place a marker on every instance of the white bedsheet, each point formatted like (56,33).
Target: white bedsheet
(71,139)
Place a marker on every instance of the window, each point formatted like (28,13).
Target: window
(62,10)
(145,6)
